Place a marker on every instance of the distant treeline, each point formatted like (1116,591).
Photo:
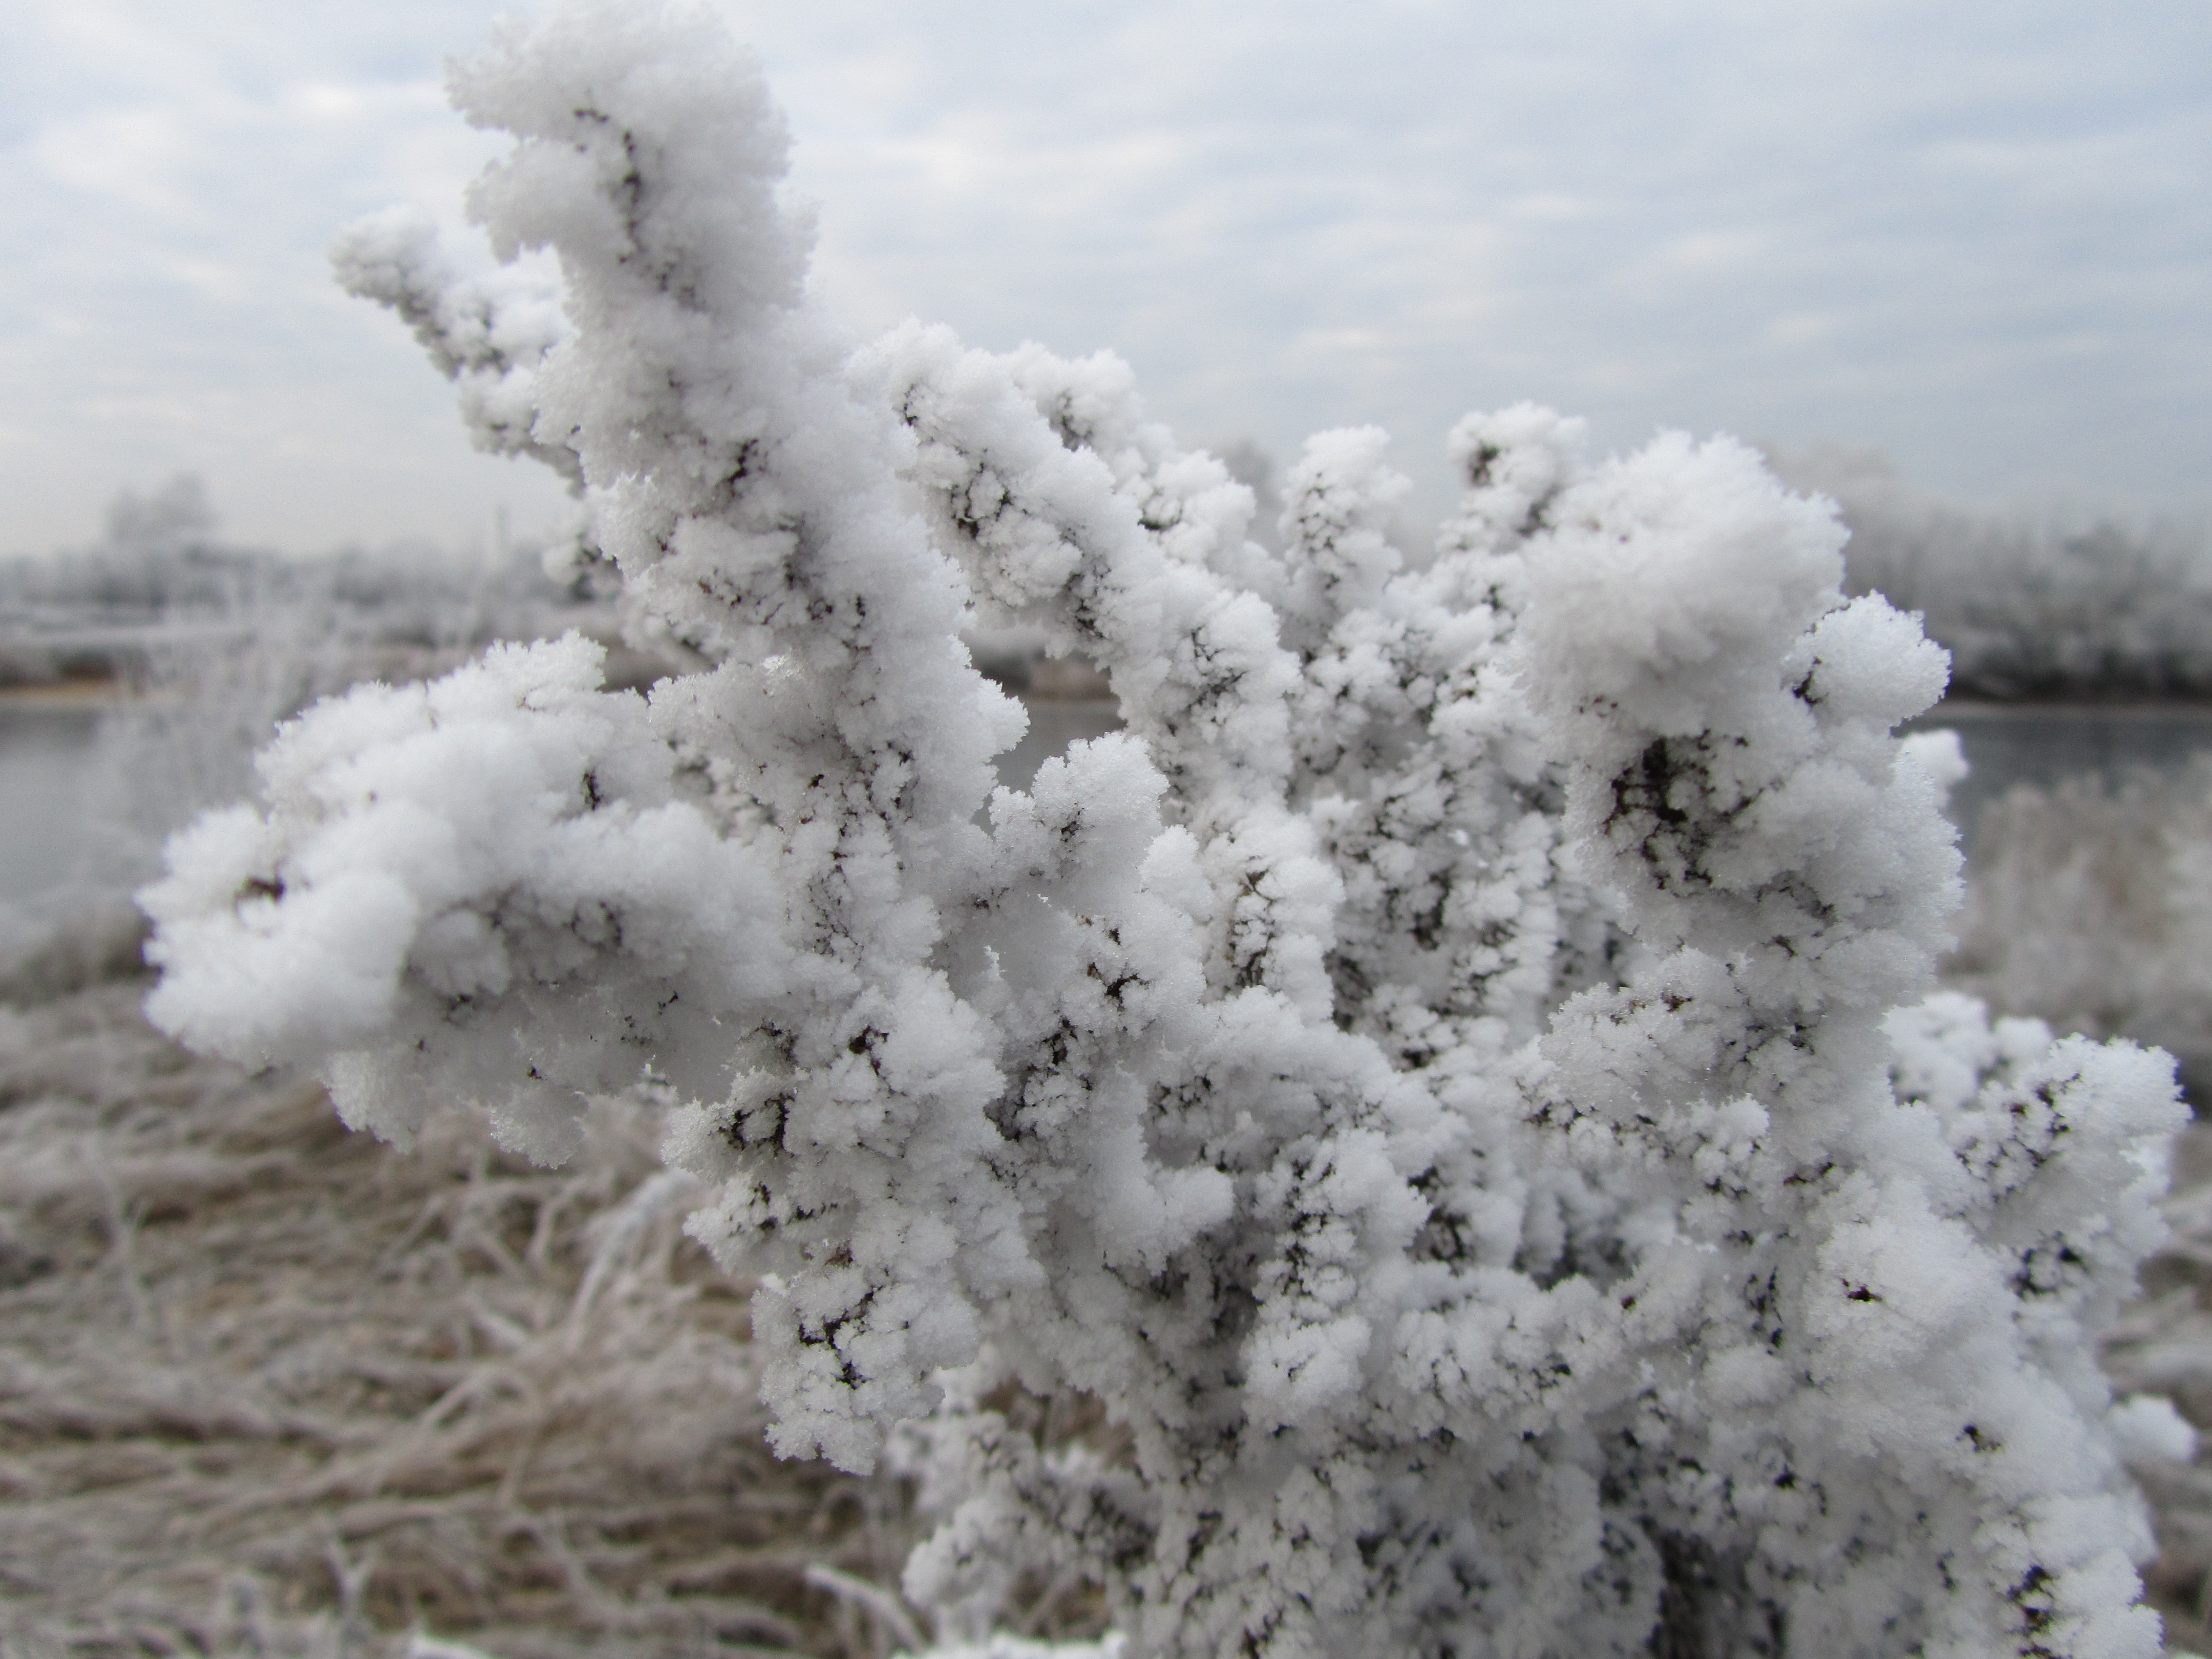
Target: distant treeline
(161,572)
(2033,608)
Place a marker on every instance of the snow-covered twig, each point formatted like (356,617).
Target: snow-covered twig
(1452,1079)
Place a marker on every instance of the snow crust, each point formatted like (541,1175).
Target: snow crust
(1456,1076)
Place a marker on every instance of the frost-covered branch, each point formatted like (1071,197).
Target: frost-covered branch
(488,335)
(1449,1079)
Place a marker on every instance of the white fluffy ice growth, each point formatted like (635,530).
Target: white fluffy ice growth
(1451,1078)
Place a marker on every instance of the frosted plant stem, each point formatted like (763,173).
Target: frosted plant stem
(1452,1083)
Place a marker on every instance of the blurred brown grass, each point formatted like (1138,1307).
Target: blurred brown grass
(2089,905)
(267,1387)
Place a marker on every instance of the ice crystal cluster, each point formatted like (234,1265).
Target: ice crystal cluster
(1451,1078)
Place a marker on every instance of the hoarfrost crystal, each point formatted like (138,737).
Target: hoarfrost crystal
(1451,1078)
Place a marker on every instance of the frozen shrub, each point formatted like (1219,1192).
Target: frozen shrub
(1449,1080)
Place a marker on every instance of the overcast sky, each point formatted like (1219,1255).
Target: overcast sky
(1975,235)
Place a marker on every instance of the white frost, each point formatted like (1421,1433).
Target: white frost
(1456,1077)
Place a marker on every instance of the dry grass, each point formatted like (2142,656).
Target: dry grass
(2090,905)
(267,1387)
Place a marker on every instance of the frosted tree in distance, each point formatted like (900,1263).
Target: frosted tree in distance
(1450,1078)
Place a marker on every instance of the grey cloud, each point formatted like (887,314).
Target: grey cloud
(1974,237)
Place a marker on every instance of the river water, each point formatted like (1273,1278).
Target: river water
(50,836)
(46,789)
(2007,744)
